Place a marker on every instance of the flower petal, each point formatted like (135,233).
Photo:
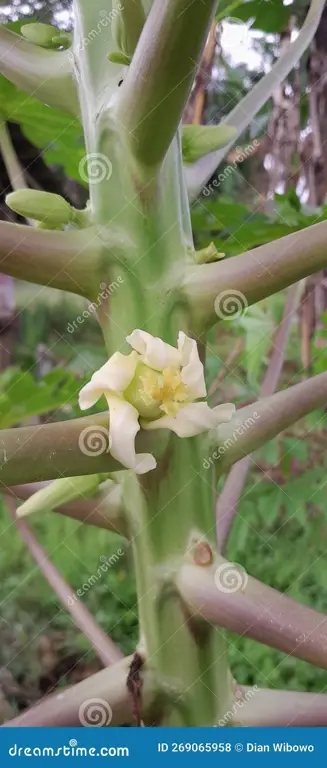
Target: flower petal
(154,351)
(114,376)
(192,369)
(190,420)
(224,412)
(123,427)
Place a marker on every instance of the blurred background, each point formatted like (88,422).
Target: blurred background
(273,182)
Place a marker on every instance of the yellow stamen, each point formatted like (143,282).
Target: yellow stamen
(166,388)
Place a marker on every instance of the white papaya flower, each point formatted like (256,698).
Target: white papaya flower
(154,387)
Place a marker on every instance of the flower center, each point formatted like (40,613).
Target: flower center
(152,392)
(166,389)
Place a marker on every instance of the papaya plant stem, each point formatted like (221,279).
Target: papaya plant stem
(255,424)
(161,74)
(273,708)
(132,131)
(226,507)
(226,596)
(170,515)
(59,259)
(69,706)
(257,273)
(47,451)
(106,650)
(154,213)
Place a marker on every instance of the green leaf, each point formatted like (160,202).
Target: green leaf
(21,397)
(269,453)
(269,506)
(296,447)
(56,133)
(270,16)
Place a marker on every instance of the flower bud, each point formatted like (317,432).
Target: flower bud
(46,207)
(61,492)
(199,140)
(208,255)
(127,24)
(44,35)
(117,57)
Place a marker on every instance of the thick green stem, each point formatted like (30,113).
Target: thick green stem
(245,279)
(93,24)
(168,510)
(169,516)
(46,75)
(153,215)
(161,74)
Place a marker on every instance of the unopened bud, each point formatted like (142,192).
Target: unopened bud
(46,207)
(199,140)
(117,57)
(208,254)
(61,492)
(127,24)
(45,35)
